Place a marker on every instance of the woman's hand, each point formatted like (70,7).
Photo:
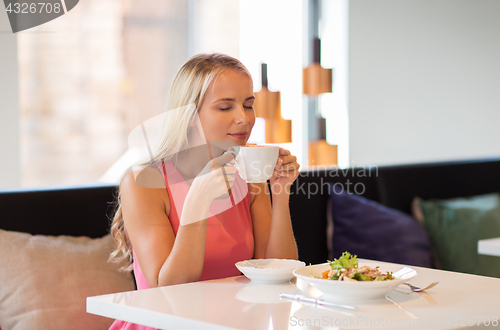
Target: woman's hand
(214,181)
(285,173)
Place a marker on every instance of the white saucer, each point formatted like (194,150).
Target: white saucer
(269,270)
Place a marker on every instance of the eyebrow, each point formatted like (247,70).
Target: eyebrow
(232,100)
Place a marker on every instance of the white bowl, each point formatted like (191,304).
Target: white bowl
(344,290)
(269,270)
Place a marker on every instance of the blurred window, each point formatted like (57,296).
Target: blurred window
(89,77)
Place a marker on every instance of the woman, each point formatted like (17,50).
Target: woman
(173,235)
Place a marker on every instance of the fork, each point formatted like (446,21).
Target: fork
(427,296)
(417,289)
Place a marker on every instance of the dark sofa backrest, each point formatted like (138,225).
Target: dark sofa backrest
(308,206)
(74,211)
(85,211)
(393,186)
(398,185)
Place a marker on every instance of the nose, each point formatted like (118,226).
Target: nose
(241,116)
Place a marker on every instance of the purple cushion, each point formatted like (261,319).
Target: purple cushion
(373,231)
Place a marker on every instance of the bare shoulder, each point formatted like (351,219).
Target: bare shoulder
(145,209)
(144,186)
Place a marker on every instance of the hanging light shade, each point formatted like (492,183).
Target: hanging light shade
(316,79)
(268,106)
(322,154)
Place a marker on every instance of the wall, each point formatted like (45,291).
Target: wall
(9,107)
(213,27)
(424,80)
(75,93)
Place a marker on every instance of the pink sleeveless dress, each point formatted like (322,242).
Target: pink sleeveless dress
(229,233)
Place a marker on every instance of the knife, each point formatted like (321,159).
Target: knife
(301,298)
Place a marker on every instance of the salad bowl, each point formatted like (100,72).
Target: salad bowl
(353,290)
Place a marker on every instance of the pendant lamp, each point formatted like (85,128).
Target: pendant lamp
(268,106)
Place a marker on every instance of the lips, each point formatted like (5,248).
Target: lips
(239,135)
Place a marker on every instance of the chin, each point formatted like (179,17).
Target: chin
(240,142)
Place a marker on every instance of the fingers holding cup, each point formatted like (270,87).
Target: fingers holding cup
(286,166)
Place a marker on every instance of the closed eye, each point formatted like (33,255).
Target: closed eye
(228,108)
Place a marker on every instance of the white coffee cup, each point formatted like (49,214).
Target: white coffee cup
(255,163)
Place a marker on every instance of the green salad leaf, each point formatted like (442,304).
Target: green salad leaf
(346,261)
(362,277)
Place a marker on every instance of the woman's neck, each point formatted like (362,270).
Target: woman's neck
(190,162)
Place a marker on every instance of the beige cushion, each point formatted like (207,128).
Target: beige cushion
(44,281)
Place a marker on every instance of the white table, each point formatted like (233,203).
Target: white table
(489,247)
(236,303)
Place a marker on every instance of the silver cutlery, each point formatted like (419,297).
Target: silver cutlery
(427,296)
(320,302)
(417,289)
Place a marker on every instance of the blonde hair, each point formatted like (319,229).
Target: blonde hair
(186,93)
